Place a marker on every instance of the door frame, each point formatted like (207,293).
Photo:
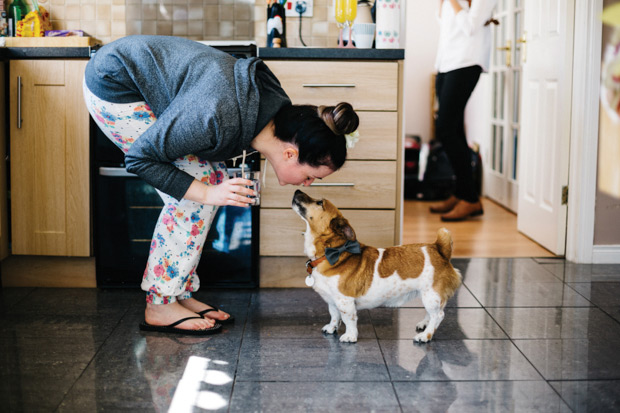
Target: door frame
(583,156)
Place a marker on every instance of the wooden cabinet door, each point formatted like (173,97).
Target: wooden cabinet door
(49,156)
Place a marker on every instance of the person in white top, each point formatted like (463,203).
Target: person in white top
(463,53)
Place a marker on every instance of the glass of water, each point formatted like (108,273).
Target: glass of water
(253,176)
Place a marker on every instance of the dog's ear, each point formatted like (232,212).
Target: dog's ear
(341,226)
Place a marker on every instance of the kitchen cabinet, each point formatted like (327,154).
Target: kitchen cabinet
(367,189)
(49,158)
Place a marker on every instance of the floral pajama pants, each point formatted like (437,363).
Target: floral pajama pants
(182,226)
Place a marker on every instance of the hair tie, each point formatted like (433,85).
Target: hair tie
(352,139)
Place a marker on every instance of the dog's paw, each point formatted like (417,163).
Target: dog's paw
(421,325)
(348,338)
(423,337)
(329,328)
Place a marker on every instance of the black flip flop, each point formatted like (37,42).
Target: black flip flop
(144,326)
(229,320)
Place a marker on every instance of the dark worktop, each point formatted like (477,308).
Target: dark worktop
(45,52)
(331,53)
(287,53)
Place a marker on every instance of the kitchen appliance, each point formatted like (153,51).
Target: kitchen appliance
(126,210)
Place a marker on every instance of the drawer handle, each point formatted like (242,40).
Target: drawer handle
(19,102)
(350,85)
(349,184)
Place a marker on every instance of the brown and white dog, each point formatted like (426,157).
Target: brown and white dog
(351,276)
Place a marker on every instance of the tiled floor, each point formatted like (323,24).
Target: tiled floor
(521,335)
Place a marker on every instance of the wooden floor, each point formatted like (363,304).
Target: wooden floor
(494,234)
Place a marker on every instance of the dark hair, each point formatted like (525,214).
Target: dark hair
(318,132)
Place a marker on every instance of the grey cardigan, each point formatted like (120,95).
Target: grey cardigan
(207,103)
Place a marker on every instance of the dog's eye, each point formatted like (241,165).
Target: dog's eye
(319,203)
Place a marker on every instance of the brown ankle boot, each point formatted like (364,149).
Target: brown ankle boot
(444,206)
(462,211)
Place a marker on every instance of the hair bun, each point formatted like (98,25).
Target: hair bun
(341,119)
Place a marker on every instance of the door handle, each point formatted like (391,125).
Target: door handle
(115,172)
(348,85)
(508,50)
(19,102)
(523,41)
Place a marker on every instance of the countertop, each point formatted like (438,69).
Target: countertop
(296,53)
(45,52)
(332,53)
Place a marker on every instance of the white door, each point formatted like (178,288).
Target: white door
(545,123)
(500,179)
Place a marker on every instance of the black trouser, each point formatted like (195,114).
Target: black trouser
(453,90)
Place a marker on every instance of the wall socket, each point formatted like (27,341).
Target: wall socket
(290,8)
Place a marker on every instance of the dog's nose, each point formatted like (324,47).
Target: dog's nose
(298,193)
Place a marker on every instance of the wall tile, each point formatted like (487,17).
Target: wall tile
(196,12)
(179,14)
(104,12)
(103,28)
(227,30)
(164,28)
(118,12)
(227,12)
(179,28)
(119,28)
(199,19)
(212,13)
(149,12)
(72,12)
(134,27)
(194,28)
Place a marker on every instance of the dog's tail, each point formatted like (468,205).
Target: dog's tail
(444,243)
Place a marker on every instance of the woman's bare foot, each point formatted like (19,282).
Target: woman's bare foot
(165,314)
(196,306)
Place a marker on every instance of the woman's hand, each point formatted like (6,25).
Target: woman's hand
(230,192)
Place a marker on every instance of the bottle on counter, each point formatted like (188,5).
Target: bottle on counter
(17,11)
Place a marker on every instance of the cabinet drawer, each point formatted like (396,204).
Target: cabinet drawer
(358,184)
(365,85)
(378,136)
(281,230)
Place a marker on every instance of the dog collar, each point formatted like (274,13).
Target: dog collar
(311,264)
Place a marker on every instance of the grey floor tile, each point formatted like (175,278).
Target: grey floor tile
(573,359)
(559,322)
(301,324)
(291,298)
(590,396)
(314,397)
(571,272)
(456,360)
(549,294)
(11,296)
(138,370)
(323,359)
(504,270)
(35,373)
(458,324)
(224,297)
(613,311)
(200,383)
(599,293)
(93,328)
(462,298)
(84,301)
(479,396)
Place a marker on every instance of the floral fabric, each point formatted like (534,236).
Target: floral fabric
(182,226)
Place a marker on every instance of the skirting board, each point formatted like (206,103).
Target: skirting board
(606,254)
